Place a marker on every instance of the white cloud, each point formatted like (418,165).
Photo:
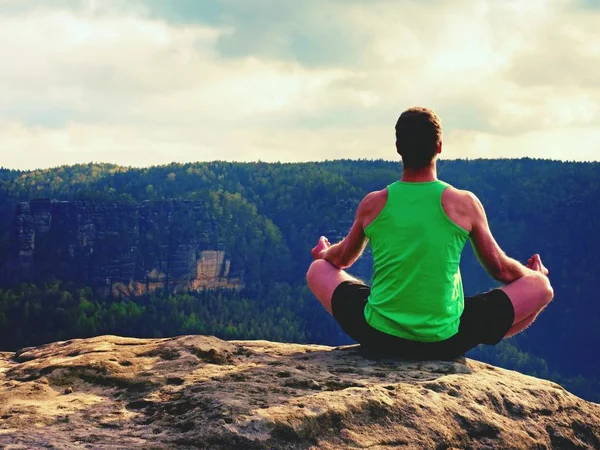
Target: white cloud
(508,78)
(568,143)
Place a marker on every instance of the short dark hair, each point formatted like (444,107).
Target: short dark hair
(418,134)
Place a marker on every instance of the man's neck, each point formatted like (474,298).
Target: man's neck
(425,174)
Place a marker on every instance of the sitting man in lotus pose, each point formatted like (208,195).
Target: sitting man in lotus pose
(418,227)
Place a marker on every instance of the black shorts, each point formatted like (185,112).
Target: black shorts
(486,319)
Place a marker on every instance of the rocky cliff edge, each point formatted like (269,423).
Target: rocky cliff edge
(195,392)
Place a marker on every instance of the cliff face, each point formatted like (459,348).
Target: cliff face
(121,248)
(200,392)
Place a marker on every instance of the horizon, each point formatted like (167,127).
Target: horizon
(384,160)
(143,83)
(182,163)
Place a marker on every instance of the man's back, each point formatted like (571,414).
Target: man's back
(454,202)
(417,289)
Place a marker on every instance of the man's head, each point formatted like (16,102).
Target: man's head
(418,137)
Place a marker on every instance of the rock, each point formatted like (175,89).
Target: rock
(202,392)
(120,248)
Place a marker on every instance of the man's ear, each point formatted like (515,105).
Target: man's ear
(439,148)
(397,149)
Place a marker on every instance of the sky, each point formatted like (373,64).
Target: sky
(149,82)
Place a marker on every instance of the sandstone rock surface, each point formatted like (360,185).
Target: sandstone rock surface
(195,392)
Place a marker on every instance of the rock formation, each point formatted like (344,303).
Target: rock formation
(200,392)
(121,248)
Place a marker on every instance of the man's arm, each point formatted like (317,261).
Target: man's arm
(489,253)
(346,252)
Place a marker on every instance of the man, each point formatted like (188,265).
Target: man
(417,228)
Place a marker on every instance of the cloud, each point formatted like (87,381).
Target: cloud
(313,33)
(568,144)
(590,4)
(564,53)
(147,82)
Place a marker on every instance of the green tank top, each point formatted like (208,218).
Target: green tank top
(417,290)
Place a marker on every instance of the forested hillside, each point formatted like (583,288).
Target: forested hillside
(547,207)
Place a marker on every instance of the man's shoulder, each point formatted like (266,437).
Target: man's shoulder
(462,201)
(372,204)
(374,200)
(460,195)
(375,196)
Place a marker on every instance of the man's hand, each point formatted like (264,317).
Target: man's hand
(318,252)
(535,263)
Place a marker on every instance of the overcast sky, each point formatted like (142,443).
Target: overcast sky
(145,82)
